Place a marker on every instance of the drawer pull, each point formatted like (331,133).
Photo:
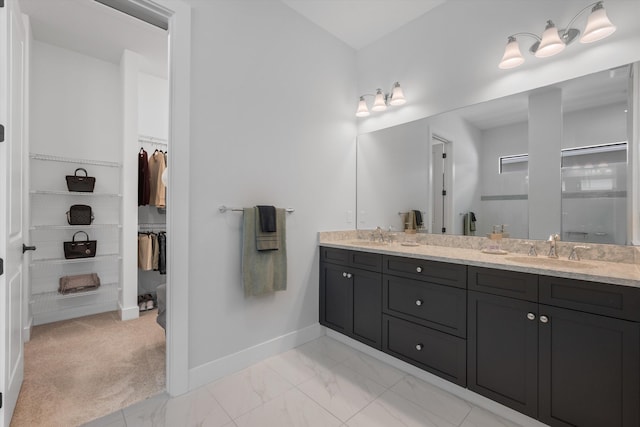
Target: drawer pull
(419,269)
(419,347)
(531,316)
(344,274)
(349,275)
(544,319)
(419,302)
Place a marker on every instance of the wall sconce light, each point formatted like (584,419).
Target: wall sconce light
(554,41)
(381,100)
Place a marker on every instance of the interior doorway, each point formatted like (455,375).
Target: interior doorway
(53,44)
(440,184)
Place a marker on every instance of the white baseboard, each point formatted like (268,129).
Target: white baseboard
(128,313)
(219,368)
(26,330)
(443,384)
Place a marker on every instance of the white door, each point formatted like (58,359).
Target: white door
(12,85)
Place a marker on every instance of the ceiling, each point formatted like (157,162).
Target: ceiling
(94,29)
(97,30)
(359,23)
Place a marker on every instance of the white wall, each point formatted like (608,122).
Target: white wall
(75,105)
(153,106)
(271,123)
(449,57)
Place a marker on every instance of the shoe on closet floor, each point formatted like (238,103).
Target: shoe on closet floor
(142,303)
(149,301)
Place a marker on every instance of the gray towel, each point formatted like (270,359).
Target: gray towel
(263,271)
(267,240)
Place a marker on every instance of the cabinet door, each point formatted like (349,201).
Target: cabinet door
(367,307)
(589,370)
(502,360)
(336,298)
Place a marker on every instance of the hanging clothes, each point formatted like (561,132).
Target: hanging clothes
(155,258)
(145,252)
(162,245)
(157,166)
(144,188)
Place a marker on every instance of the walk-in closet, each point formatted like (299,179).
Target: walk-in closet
(95,313)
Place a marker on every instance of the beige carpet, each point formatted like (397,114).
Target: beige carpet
(81,369)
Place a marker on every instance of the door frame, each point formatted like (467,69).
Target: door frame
(436,138)
(178,15)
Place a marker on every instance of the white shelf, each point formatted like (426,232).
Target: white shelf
(152,140)
(50,307)
(73,193)
(44,297)
(73,227)
(54,261)
(48,157)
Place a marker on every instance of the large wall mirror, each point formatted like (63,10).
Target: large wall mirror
(552,160)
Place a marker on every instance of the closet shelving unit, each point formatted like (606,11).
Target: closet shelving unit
(48,229)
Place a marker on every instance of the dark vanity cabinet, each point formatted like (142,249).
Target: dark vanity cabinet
(425,315)
(564,351)
(351,294)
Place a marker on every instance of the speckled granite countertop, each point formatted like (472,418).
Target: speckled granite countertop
(467,250)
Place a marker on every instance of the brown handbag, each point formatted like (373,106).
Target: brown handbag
(81,248)
(84,183)
(79,283)
(80,215)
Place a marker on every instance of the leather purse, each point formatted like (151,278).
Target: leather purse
(80,249)
(84,183)
(80,215)
(79,283)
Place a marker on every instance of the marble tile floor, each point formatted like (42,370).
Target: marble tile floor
(321,383)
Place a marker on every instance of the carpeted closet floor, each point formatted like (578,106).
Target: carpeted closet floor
(81,369)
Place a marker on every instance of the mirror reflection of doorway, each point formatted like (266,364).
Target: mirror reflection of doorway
(440,191)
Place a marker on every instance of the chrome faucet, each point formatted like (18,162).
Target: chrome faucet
(378,234)
(574,253)
(532,249)
(553,238)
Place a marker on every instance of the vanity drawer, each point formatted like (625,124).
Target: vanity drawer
(442,273)
(512,284)
(439,353)
(440,307)
(363,260)
(622,302)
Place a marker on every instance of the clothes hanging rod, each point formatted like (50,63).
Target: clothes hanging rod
(224,209)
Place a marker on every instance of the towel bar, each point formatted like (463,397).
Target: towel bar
(224,209)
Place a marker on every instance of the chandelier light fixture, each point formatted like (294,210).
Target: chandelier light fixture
(381,100)
(553,40)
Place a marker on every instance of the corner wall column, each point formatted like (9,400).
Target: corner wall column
(545,144)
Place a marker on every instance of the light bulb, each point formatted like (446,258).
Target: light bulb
(379,103)
(512,56)
(362,110)
(551,42)
(598,25)
(397,95)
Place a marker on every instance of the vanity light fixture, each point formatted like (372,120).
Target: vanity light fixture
(553,41)
(381,100)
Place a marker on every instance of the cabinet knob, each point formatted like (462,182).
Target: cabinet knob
(419,302)
(531,316)
(419,269)
(419,347)
(544,319)
(348,275)
(344,274)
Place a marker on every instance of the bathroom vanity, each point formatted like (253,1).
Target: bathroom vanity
(560,344)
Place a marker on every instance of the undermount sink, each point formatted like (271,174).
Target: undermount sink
(550,262)
(368,243)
